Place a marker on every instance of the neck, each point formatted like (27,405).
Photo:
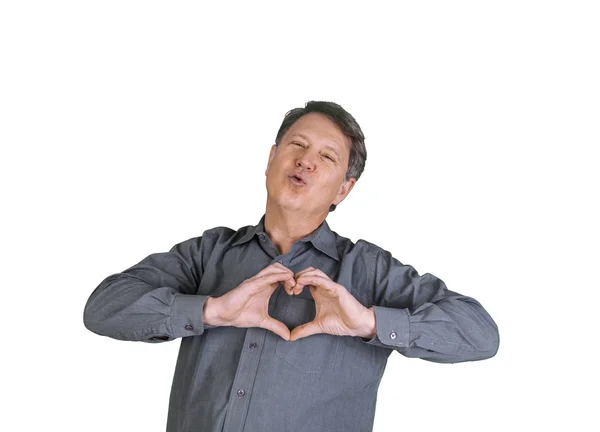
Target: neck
(285,226)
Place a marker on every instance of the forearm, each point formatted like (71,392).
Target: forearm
(419,317)
(127,308)
(454,329)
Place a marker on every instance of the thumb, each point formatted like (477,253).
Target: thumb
(305,330)
(276,327)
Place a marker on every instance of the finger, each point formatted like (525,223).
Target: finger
(276,327)
(316,281)
(305,330)
(299,287)
(285,277)
(274,278)
(311,271)
(273,268)
(294,290)
(301,272)
(289,285)
(278,265)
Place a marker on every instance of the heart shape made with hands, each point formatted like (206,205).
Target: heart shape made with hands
(337,311)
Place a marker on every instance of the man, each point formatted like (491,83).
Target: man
(287,326)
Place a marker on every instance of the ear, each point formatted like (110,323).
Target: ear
(345,189)
(271,156)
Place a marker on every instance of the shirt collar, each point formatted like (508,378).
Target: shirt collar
(322,238)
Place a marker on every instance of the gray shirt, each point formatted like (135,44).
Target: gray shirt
(249,379)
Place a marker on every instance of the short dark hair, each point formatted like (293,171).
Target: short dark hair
(347,124)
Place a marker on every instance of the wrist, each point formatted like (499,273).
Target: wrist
(369,328)
(209,312)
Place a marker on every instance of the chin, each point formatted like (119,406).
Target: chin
(292,204)
(288,202)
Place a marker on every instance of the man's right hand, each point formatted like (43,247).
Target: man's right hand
(247,305)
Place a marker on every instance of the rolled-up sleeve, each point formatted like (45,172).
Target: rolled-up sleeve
(152,301)
(419,317)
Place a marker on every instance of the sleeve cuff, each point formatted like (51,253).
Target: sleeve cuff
(392,328)
(186,315)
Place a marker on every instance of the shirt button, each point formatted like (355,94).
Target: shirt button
(189,327)
(253,345)
(262,237)
(393,335)
(280,262)
(241,393)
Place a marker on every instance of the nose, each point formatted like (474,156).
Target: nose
(306,161)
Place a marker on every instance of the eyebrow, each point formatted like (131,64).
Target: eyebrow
(327,146)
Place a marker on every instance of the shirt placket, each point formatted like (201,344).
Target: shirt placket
(243,383)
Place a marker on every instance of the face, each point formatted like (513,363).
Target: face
(306,171)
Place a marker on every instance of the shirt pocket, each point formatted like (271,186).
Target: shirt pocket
(312,353)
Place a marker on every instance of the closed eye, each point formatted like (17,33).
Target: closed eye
(298,144)
(329,157)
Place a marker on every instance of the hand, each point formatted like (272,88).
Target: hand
(247,305)
(337,311)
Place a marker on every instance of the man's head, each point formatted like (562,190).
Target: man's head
(318,156)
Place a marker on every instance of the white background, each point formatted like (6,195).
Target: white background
(129,126)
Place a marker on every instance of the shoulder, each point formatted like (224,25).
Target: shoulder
(223,234)
(361,256)
(220,236)
(369,247)
(225,237)
(362,247)
(372,258)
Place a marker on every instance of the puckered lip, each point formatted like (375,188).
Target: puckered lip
(299,176)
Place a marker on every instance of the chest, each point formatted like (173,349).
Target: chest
(227,270)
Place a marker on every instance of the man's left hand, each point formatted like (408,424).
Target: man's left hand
(337,311)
